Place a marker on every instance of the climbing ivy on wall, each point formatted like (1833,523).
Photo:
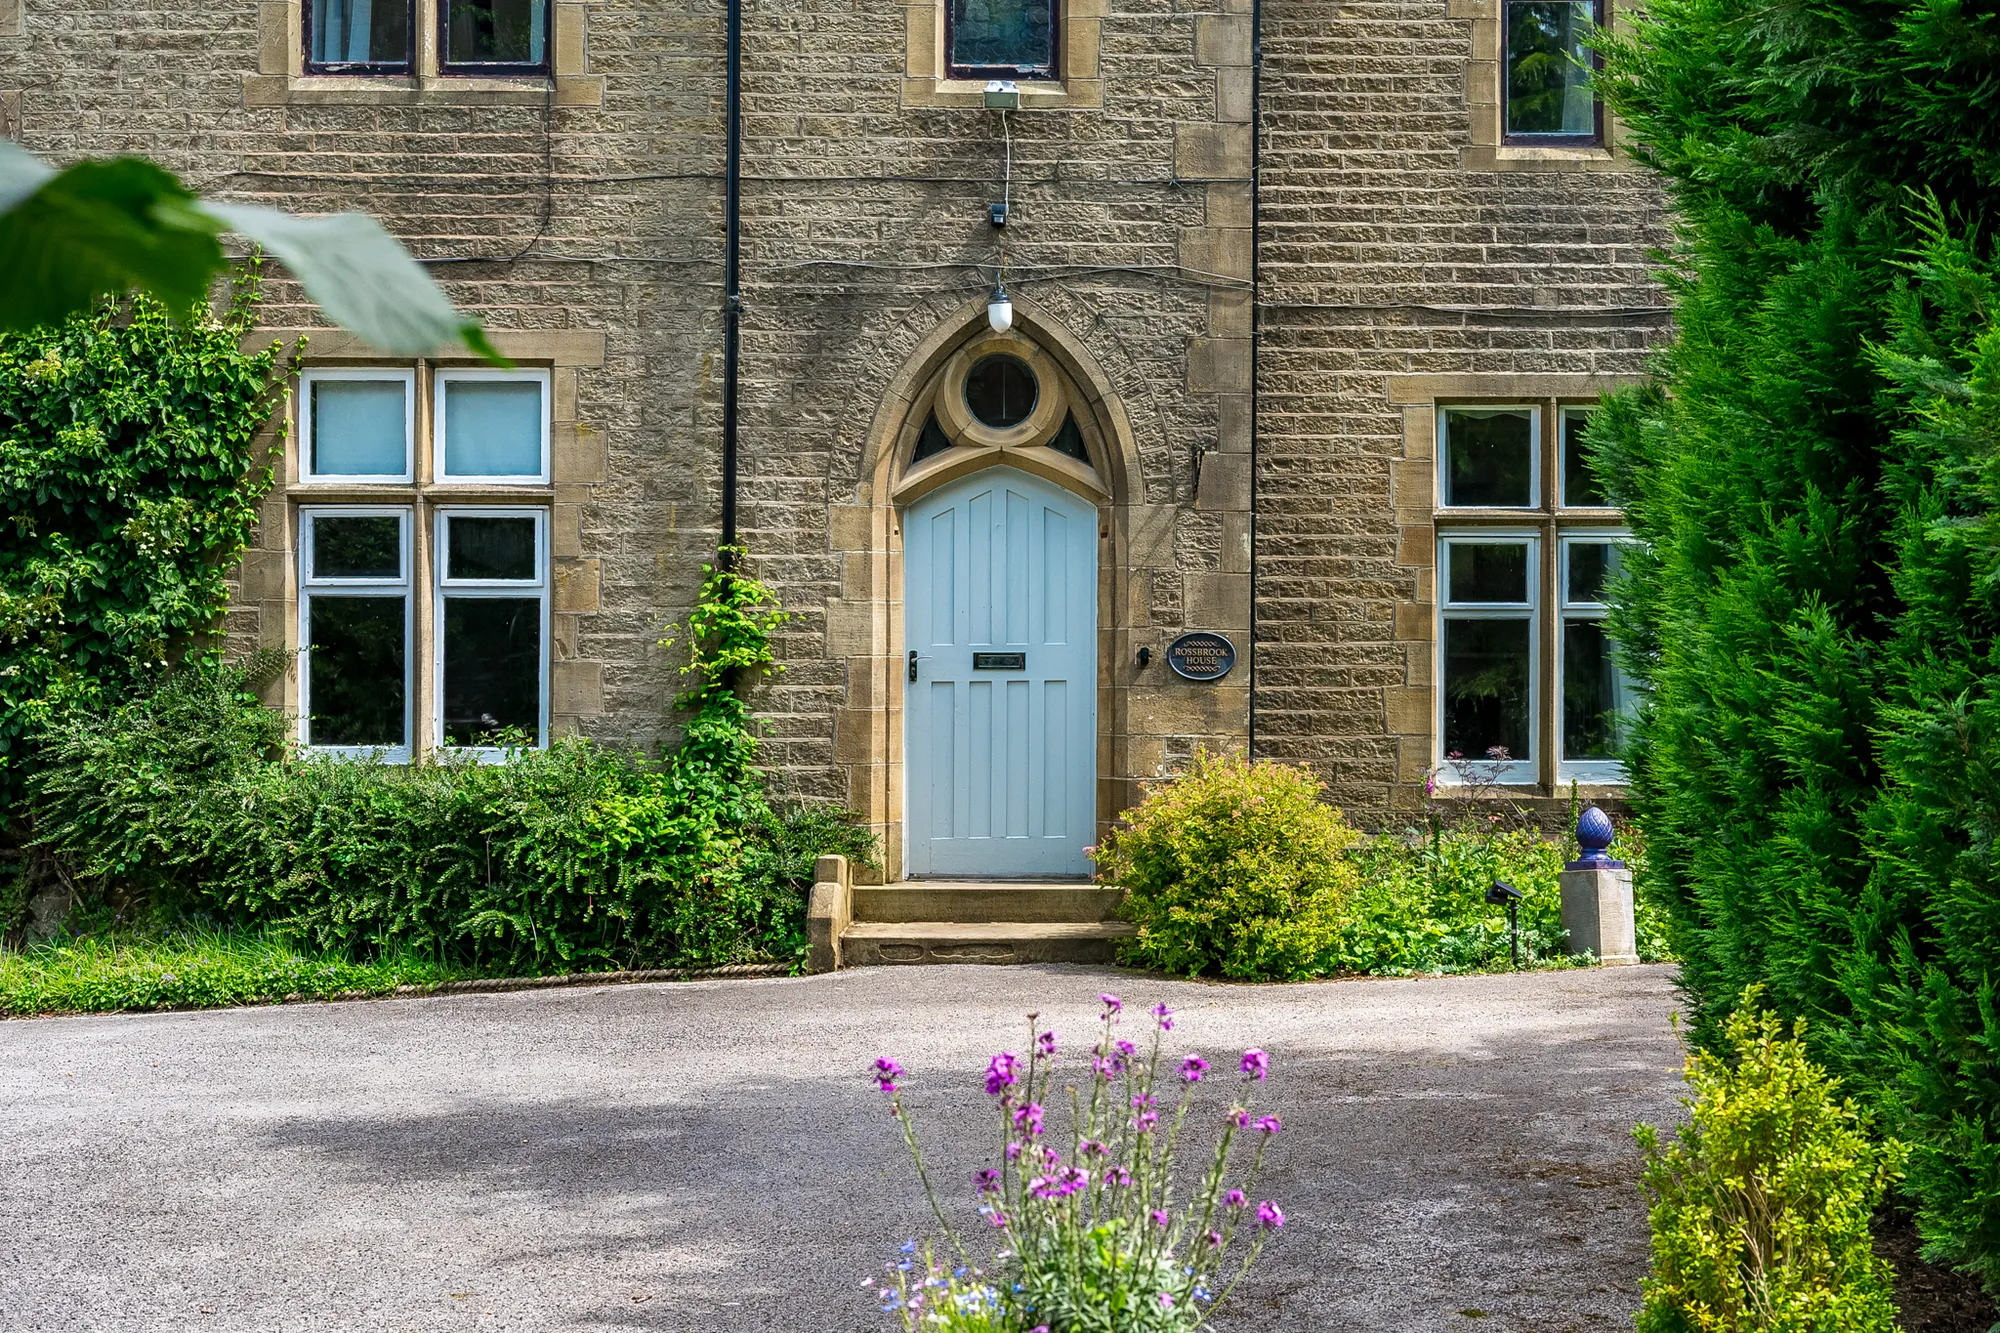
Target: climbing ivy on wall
(129,487)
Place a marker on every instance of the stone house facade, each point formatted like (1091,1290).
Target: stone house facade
(1306,297)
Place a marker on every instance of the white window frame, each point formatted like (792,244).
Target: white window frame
(1606,771)
(311,586)
(1518,770)
(407,376)
(439,452)
(445,586)
(1443,452)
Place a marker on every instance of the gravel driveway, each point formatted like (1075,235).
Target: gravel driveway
(702,1157)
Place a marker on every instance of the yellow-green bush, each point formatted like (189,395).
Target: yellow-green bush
(1760,1209)
(1232,868)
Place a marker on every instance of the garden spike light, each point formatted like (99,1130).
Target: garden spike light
(1504,894)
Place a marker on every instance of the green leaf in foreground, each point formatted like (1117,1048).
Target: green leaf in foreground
(99,229)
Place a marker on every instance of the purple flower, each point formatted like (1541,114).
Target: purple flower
(1112,1004)
(988,1181)
(1029,1118)
(1070,1180)
(887,1071)
(1117,1175)
(1163,1016)
(1269,1216)
(1092,1148)
(1014,1151)
(1159,1217)
(997,1218)
(1193,1068)
(1236,1198)
(1125,1048)
(1146,1121)
(1144,1101)
(1003,1071)
(1214,1238)
(1270,1124)
(1241,1116)
(1039,1328)
(1047,1043)
(1256,1064)
(1166,1301)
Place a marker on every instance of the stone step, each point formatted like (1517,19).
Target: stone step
(939,900)
(875,943)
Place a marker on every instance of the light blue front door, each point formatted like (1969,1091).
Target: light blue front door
(1000,721)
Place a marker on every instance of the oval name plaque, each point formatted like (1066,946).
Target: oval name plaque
(1201,656)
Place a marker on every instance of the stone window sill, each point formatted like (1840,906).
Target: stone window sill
(399,90)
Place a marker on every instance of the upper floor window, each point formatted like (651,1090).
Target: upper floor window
(494,36)
(1492,457)
(358,36)
(1001,39)
(1546,80)
(356,425)
(491,37)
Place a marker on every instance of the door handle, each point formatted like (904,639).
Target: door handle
(913,666)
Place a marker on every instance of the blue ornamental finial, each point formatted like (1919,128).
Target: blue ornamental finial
(1593,836)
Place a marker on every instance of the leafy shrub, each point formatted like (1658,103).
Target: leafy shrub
(1098,1242)
(1760,1210)
(181,800)
(1232,868)
(128,482)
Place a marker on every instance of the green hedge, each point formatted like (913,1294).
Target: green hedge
(1813,475)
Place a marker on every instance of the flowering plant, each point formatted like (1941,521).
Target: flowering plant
(1089,1234)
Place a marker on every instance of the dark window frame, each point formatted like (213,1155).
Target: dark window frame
(397,68)
(1595,138)
(495,68)
(1052,72)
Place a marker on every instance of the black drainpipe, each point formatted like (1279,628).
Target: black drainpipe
(1256,319)
(732,286)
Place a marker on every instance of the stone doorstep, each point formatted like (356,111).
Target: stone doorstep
(876,943)
(967,901)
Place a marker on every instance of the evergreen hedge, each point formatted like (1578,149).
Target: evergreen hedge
(1813,475)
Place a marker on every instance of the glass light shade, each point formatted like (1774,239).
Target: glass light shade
(1000,311)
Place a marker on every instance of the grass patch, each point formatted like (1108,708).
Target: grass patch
(192,969)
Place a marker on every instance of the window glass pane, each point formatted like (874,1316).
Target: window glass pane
(1486,703)
(1592,565)
(1002,34)
(1001,391)
(355,671)
(933,441)
(495,32)
(1580,486)
(1490,457)
(362,547)
(493,428)
(491,548)
(492,668)
(360,428)
(374,32)
(1548,68)
(1069,440)
(1596,698)
(1488,572)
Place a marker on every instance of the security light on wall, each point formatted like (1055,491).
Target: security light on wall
(1003,95)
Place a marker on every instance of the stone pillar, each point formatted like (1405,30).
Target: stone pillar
(1597,896)
(829,913)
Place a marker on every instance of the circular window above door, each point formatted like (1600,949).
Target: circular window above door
(1001,391)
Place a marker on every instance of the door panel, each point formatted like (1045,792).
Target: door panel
(1000,764)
